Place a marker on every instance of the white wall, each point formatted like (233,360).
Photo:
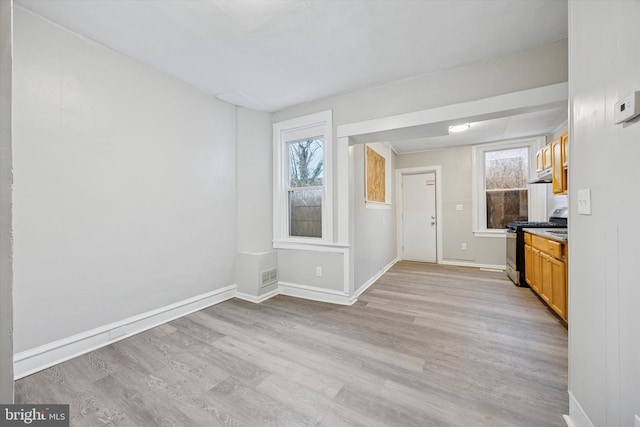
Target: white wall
(374,245)
(255,176)
(124,197)
(516,72)
(457,189)
(6,176)
(604,296)
(254,172)
(529,69)
(298,267)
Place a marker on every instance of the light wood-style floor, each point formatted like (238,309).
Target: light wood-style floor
(426,345)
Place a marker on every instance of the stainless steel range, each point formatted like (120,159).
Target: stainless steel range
(515,242)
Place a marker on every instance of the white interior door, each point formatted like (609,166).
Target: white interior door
(419,217)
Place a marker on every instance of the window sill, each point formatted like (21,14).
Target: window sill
(491,234)
(377,205)
(304,244)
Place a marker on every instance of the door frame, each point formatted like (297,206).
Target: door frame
(437,169)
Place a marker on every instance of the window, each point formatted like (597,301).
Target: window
(305,190)
(506,174)
(302,172)
(501,194)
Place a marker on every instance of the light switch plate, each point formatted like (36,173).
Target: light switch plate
(584,202)
(459,207)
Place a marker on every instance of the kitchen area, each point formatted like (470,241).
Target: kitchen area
(537,252)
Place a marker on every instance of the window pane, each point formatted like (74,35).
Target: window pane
(506,168)
(305,213)
(507,206)
(506,173)
(305,163)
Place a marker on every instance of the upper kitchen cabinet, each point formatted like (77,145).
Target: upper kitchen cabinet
(543,159)
(554,156)
(559,164)
(565,162)
(565,143)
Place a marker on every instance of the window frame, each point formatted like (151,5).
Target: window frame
(479,201)
(285,132)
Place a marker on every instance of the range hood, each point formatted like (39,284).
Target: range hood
(543,177)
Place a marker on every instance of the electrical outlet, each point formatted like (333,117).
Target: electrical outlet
(464,247)
(459,207)
(318,271)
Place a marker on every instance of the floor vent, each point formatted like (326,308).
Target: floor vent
(268,277)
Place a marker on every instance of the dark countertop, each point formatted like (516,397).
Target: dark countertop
(557,234)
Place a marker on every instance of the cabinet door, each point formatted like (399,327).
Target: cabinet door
(545,276)
(539,161)
(528,265)
(565,163)
(564,140)
(558,297)
(557,175)
(546,157)
(535,270)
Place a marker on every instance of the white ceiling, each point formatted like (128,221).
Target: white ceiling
(272,54)
(434,136)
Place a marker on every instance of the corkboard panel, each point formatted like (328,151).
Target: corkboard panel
(376,179)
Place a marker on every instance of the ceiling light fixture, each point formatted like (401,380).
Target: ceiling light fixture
(459,128)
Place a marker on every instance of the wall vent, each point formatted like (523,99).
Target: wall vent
(268,277)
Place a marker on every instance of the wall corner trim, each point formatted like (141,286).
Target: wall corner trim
(577,416)
(257,299)
(473,264)
(314,293)
(373,280)
(33,360)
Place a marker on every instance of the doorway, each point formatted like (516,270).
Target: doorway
(419,210)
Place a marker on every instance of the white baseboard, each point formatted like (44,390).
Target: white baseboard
(314,293)
(577,417)
(257,299)
(33,360)
(474,264)
(30,361)
(371,281)
(568,421)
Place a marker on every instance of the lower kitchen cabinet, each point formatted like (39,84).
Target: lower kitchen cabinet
(546,272)
(528,260)
(558,294)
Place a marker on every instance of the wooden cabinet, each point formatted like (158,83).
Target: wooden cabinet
(556,167)
(559,164)
(546,271)
(554,156)
(565,162)
(543,158)
(532,268)
(558,293)
(565,149)
(528,260)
